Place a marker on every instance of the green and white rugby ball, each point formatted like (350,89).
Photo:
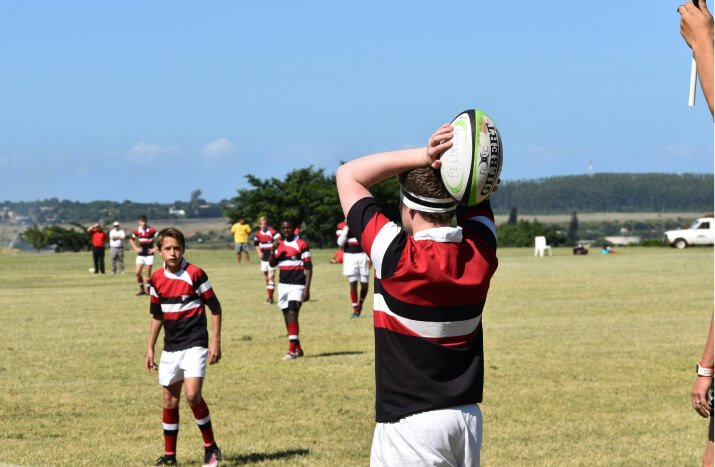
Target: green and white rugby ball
(472,166)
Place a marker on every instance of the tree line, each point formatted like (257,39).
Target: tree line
(607,192)
(309,197)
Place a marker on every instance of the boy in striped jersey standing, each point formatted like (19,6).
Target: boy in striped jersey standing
(431,282)
(295,269)
(179,293)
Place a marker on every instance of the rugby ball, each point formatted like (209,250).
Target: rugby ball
(471,167)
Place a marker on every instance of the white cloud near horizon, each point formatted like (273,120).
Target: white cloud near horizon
(217,148)
(149,153)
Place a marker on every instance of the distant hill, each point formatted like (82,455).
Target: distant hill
(607,192)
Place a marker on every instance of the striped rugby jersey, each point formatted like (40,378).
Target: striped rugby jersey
(264,241)
(146,238)
(179,301)
(352,244)
(430,291)
(293,259)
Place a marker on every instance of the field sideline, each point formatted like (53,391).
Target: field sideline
(589,361)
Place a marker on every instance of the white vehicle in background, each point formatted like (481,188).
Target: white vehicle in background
(700,232)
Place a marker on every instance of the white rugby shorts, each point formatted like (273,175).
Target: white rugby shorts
(176,366)
(147,260)
(288,293)
(265,266)
(447,437)
(356,265)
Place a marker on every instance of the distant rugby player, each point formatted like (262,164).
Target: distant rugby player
(356,266)
(263,241)
(142,241)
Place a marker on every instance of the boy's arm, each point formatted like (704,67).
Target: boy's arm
(308,278)
(354,178)
(696,27)
(154,329)
(272,260)
(699,393)
(215,346)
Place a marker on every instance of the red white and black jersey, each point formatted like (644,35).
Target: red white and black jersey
(264,241)
(179,301)
(293,259)
(146,238)
(430,291)
(347,239)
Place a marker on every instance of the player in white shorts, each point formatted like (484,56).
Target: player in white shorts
(449,437)
(356,266)
(263,241)
(142,240)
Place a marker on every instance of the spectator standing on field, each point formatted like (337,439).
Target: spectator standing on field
(116,248)
(99,239)
(240,231)
(431,283)
(180,291)
(696,27)
(142,241)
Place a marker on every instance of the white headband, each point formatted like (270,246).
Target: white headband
(425,204)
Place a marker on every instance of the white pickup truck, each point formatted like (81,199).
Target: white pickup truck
(700,232)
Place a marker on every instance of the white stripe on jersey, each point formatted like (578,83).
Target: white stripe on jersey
(487,222)
(204,287)
(430,329)
(286,263)
(384,237)
(179,307)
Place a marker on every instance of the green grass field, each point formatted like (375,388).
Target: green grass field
(589,361)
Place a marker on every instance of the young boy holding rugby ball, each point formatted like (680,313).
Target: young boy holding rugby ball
(431,283)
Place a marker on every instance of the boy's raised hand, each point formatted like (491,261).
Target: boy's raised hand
(438,143)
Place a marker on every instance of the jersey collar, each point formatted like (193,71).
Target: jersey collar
(440,234)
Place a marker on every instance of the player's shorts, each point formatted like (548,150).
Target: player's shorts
(355,265)
(241,247)
(289,293)
(176,366)
(450,436)
(265,266)
(147,260)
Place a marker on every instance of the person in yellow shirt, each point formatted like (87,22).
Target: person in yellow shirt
(240,231)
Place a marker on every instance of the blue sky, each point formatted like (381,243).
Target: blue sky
(148,101)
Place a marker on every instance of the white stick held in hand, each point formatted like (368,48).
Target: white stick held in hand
(693,83)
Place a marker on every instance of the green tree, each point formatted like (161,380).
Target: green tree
(36,236)
(523,232)
(306,195)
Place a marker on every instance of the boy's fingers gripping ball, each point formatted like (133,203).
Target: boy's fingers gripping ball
(472,166)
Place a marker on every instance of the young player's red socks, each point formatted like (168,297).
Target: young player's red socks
(293,339)
(141,285)
(203,420)
(269,288)
(354,299)
(170,419)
